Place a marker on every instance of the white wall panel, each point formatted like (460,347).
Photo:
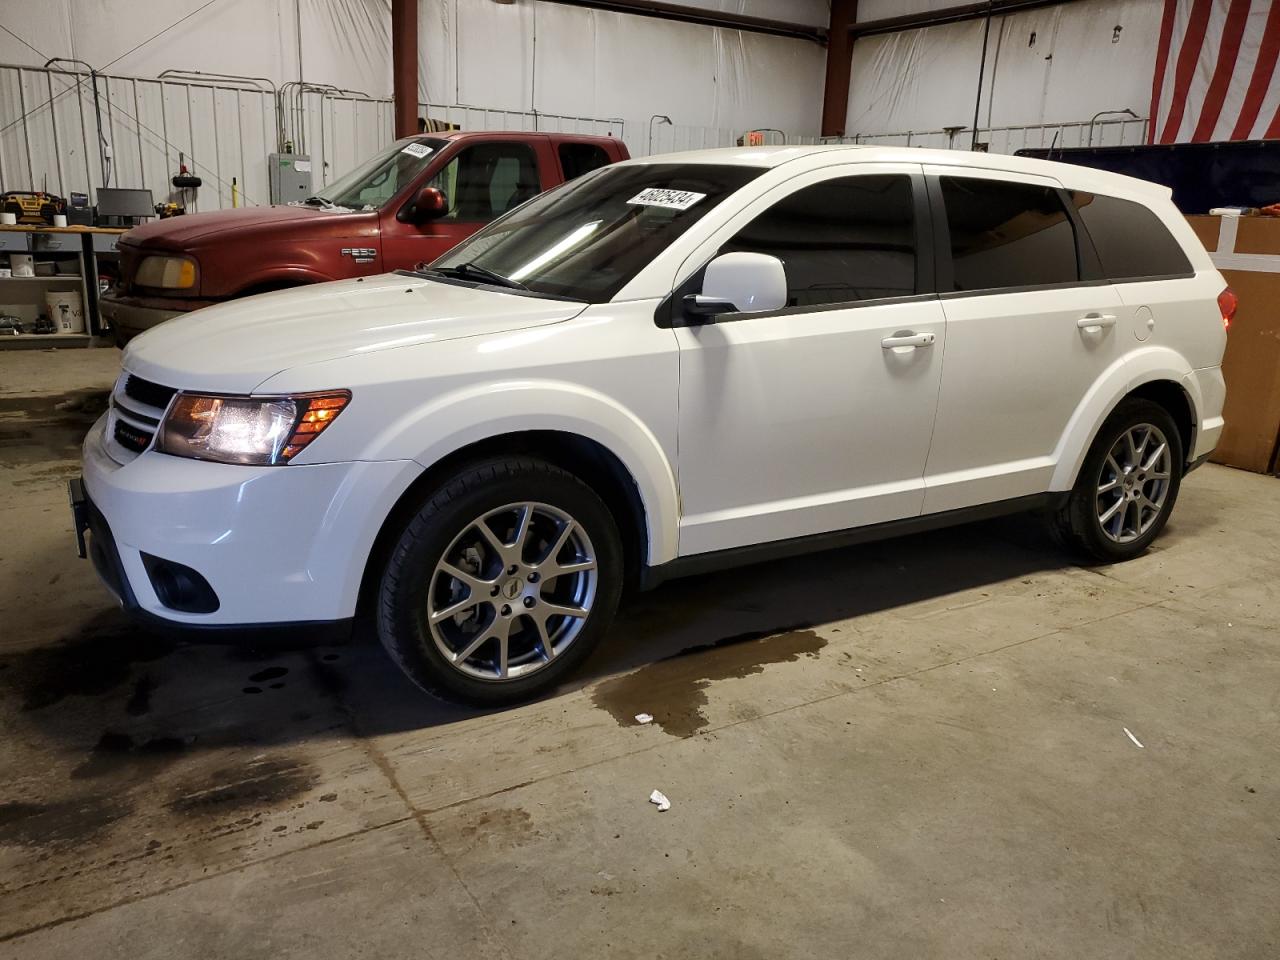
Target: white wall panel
(1051,65)
(883,9)
(527,65)
(238,36)
(812,13)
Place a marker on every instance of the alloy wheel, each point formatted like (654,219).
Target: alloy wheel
(512,592)
(1133,484)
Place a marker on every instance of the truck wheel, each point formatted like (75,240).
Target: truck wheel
(501,584)
(1127,486)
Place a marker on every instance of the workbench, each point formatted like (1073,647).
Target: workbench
(25,296)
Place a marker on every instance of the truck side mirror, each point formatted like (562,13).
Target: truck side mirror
(429,204)
(740,283)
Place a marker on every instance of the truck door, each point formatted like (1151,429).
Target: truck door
(480,182)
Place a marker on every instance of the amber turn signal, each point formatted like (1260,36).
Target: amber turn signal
(317,412)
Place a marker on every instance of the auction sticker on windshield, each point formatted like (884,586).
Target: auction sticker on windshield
(672,199)
(417,150)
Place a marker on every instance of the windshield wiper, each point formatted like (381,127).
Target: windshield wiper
(466,270)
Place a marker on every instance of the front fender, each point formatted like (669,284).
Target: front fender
(462,417)
(282,277)
(1125,375)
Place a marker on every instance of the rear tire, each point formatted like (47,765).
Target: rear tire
(501,584)
(1127,485)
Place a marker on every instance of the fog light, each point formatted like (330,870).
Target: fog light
(179,587)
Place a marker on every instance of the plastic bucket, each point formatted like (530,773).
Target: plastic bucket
(23,264)
(66,310)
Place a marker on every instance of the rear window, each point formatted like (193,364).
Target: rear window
(1008,235)
(1132,242)
(579,158)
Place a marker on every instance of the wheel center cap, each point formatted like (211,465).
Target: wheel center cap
(513,588)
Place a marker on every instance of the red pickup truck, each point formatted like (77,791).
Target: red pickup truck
(407,205)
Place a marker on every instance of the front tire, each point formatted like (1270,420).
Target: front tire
(501,584)
(1127,486)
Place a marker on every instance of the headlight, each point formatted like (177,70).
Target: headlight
(166,273)
(265,431)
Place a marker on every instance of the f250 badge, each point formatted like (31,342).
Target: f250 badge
(360,254)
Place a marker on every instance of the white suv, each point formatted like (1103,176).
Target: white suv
(662,367)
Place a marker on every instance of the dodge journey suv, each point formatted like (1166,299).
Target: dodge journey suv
(665,366)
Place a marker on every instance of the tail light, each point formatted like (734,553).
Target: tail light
(1227,304)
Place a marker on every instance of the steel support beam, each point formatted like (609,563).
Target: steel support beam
(968,11)
(404,65)
(710,18)
(835,94)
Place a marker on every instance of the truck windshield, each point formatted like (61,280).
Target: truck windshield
(381,177)
(585,240)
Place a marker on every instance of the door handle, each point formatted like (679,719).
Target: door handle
(908,340)
(1096,321)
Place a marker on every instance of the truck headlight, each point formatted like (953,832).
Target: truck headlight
(263,431)
(166,273)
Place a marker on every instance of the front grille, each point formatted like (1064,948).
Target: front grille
(130,437)
(148,393)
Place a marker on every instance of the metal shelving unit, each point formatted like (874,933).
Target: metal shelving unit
(24,297)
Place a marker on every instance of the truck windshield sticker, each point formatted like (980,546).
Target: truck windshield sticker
(417,150)
(671,199)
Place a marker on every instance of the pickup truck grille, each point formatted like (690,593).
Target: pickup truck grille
(137,406)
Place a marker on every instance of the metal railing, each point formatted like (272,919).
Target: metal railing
(1010,139)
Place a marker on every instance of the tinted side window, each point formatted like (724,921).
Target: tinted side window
(487,180)
(1008,235)
(840,241)
(1131,241)
(579,158)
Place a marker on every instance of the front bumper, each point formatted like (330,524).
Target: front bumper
(130,316)
(277,545)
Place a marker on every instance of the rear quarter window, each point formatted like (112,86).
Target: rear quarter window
(1132,242)
(1006,234)
(579,158)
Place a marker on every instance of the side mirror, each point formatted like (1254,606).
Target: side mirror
(429,204)
(740,283)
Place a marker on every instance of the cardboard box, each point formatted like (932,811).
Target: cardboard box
(1247,251)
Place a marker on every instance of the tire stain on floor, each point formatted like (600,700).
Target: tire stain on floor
(36,429)
(264,782)
(62,823)
(673,690)
(97,660)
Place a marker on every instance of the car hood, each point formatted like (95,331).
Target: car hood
(233,347)
(177,233)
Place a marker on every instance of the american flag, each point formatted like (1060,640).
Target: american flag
(1215,74)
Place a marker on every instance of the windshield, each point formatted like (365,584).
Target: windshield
(585,240)
(381,177)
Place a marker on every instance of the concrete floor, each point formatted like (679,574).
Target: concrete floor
(909,749)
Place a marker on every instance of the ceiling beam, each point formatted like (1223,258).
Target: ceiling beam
(930,18)
(710,18)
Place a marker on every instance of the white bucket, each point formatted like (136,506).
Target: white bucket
(66,310)
(22,264)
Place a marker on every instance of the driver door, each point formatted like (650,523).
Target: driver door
(480,182)
(816,417)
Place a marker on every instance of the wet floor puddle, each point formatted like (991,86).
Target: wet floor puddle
(674,690)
